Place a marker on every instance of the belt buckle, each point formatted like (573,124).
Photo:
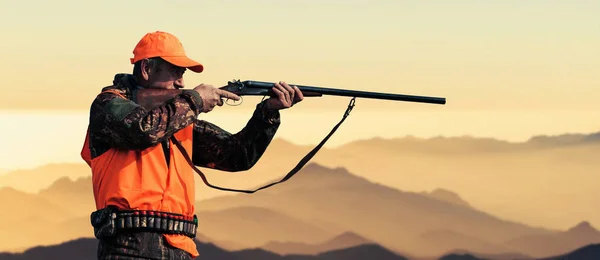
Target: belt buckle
(103,221)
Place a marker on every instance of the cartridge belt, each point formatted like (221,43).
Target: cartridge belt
(110,221)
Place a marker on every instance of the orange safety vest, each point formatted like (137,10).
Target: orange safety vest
(141,180)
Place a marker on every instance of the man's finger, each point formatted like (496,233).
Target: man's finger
(291,92)
(287,87)
(279,93)
(299,95)
(286,93)
(228,94)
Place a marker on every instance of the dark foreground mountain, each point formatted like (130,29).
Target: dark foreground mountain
(463,254)
(590,252)
(85,249)
(461,257)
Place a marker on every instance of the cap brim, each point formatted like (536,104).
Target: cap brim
(184,62)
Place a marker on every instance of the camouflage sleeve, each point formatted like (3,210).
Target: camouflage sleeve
(218,149)
(119,122)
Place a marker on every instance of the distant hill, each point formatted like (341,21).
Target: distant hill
(498,177)
(36,222)
(462,257)
(377,211)
(447,196)
(451,240)
(465,254)
(254,226)
(78,193)
(36,179)
(467,144)
(344,240)
(565,139)
(590,252)
(369,251)
(553,244)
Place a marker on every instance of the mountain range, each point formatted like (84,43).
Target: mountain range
(322,209)
(327,207)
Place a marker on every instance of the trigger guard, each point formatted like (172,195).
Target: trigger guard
(233,102)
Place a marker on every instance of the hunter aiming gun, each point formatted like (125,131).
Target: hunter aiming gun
(150,98)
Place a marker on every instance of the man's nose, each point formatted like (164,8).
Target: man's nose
(179,83)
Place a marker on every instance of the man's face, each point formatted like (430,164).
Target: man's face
(165,76)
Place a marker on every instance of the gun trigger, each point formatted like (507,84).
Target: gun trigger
(233,102)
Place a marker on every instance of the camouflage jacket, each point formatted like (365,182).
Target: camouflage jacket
(116,122)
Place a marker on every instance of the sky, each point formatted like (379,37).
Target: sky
(508,69)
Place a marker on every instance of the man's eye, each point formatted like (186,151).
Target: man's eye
(178,70)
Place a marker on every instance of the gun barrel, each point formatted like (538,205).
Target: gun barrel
(352,93)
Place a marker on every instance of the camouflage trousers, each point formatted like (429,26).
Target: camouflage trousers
(139,245)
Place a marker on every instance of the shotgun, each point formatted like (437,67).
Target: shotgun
(150,98)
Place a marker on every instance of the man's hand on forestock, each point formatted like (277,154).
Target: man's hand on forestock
(212,96)
(285,96)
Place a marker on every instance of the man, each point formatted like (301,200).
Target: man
(143,185)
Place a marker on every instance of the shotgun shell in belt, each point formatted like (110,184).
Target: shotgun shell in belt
(164,221)
(120,221)
(150,219)
(181,224)
(143,220)
(176,223)
(186,225)
(136,219)
(128,220)
(169,223)
(158,221)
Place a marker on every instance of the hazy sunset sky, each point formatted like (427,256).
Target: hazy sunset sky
(509,69)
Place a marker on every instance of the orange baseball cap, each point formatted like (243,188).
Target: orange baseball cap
(166,46)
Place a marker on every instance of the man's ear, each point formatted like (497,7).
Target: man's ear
(145,70)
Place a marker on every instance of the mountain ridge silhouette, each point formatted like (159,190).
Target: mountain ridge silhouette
(342,240)
(338,182)
(85,249)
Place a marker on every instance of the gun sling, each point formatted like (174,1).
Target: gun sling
(299,166)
